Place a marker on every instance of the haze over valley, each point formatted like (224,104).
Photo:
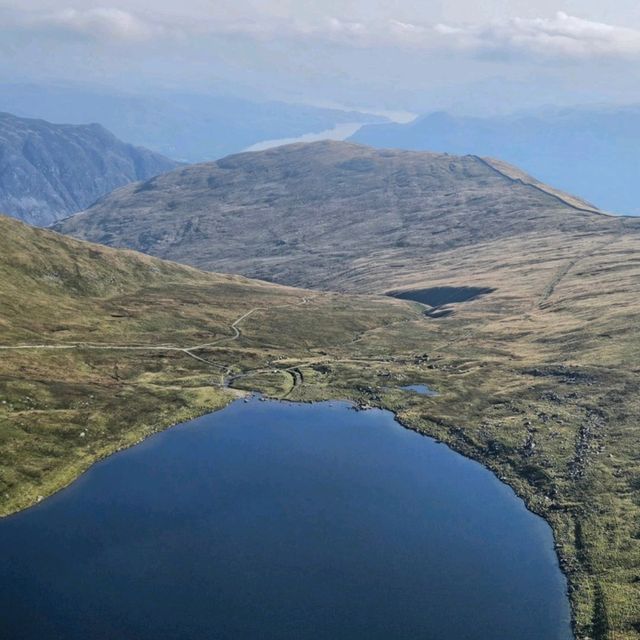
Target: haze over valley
(186,126)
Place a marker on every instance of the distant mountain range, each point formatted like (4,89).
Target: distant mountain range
(187,127)
(594,152)
(49,171)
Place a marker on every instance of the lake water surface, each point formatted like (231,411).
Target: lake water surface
(420,389)
(339,132)
(268,520)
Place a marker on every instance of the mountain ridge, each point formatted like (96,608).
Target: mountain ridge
(513,173)
(49,171)
(590,151)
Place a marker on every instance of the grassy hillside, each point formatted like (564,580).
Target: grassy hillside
(99,348)
(537,376)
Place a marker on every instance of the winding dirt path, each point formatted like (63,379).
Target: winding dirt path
(139,347)
(188,351)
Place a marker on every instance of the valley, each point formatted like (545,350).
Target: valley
(93,328)
(319,320)
(533,357)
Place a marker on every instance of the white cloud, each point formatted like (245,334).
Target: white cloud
(562,36)
(328,28)
(102,24)
(109,23)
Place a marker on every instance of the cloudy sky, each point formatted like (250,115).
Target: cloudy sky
(469,55)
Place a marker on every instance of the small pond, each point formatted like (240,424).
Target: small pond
(440,296)
(420,389)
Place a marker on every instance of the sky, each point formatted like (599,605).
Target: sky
(469,56)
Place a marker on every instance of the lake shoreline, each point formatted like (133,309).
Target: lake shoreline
(404,453)
(74,473)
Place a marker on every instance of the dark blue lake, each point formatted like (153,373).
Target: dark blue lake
(269,520)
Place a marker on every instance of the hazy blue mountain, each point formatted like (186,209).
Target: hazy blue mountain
(187,127)
(50,171)
(592,152)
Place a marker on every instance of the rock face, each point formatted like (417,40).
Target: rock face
(329,214)
(49,171)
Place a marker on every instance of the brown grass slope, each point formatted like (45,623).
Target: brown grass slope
(306,213)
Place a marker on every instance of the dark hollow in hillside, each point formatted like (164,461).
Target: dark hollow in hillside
(439,296)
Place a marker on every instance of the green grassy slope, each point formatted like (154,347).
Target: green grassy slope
(115,349)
